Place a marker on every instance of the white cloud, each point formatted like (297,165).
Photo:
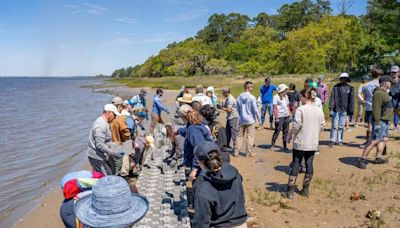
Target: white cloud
(88,8)
(188,15)
(131,21)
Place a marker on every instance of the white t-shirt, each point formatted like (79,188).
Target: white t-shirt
(282,105)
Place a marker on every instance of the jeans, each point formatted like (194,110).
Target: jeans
(282,125)
(338,123)
(232,126)
(270,109)
(298,156)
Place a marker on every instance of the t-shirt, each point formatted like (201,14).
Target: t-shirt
(282,105)
(368,91)
(230,102)
(293,97)
(266,93)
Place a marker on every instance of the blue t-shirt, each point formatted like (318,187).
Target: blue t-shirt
(266,93)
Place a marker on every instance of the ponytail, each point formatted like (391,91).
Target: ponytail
(309,94)
(194,117)
(214,161)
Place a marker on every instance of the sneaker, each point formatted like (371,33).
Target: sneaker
(348,129)
(362,163)
(317,152)
(379,161)
(274,148)
(356,125)
(362,146)
(340,144)
(285,149)
(331,144)
(235,154)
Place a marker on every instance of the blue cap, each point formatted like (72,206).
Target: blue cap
(201,151)
(141,114)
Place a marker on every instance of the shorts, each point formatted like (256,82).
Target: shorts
(379,135)
(368,117)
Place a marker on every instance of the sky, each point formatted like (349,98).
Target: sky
(91,37)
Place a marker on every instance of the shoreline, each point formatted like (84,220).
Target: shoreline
(44,211)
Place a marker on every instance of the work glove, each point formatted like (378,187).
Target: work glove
(119,154)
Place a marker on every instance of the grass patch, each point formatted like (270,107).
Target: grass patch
(327,186)
(264,197)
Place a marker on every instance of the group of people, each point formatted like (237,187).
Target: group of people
(203,145)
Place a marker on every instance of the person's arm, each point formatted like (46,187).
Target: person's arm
(376,108)
(351,102)
(255,109)
(298,122)
(238,105)
(99,136)
(202,217)
(182,131)
(159,104)
(360,94)
(276,112)
(332,100)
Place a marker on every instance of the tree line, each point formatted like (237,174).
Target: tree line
(303,37)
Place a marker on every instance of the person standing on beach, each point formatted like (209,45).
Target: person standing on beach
(340,104)
(119,129)
(201,97)
(99,140)
(158,107)
(323,90)
(232,116)
(382,113)
(282,116)
(266,92)
(309,121)
(138,102)
(361,100)
(248,114)
(368,93)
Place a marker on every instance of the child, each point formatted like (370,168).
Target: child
(177,142)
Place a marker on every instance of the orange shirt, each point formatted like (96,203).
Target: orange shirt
(119,130)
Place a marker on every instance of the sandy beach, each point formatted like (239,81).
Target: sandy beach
(265,178)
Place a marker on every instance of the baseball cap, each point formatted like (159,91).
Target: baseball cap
(117,101)
(201,151)
(395,69)
(111,108)
(313,85)
(143,92)
(184,109)
(365,77)
(385,78)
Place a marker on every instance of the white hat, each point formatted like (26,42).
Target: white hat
(394,69)
(281,88)
(344,75)
(111,108)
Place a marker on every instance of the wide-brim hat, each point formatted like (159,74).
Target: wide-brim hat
(281,88)
(345,75)
(136,207)
(186,98)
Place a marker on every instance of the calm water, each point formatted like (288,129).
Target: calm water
(44,131)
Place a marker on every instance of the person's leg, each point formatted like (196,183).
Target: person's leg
(359,114)
(309,158)
(271,115)
(234,123)
(251,132)
(239,141)
(342,122)
(362,163)
(395,120)
(228,132)
(154,121)
(263,111)
(297,157)
(285,130)
(100,166)
(278,128)
(334,128)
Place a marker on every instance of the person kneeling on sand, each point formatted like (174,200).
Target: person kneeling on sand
(111,204)
(309,121)
(382,112)
(219,199)
(99,141)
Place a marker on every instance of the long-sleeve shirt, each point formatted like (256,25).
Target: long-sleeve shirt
(119,130)
(382,106)
(323,91)
(342,98)
(247,109)
(309,120)
(138,102)
(368,92)
(99,140)
(158,106)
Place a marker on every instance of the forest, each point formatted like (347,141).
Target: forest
(302,37)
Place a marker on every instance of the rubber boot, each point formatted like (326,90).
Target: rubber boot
(291,187)
(306,185)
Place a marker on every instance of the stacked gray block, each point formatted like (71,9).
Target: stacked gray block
(164,187)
